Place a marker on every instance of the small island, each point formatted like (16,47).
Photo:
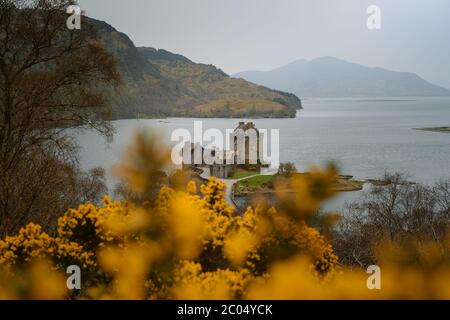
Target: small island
(246,181)
(257,183)
(435,129)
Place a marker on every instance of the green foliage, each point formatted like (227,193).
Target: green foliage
(254,183)
(287,169)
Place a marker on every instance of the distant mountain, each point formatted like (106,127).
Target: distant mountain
(331,77)
(158,83)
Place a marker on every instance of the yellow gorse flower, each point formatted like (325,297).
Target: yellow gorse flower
(185,245)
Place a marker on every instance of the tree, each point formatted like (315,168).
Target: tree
(287,169)
(51,79)
(399,212)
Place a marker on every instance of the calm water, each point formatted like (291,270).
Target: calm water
(364,137)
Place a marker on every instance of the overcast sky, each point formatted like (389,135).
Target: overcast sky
(238,35)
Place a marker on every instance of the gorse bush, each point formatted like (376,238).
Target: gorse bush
(187,243)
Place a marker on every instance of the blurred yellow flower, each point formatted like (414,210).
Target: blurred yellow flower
(185,245)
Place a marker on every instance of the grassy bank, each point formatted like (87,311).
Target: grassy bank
(265,183)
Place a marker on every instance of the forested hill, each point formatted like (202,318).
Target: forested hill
(158,83)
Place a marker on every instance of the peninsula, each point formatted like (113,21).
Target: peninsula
(435,129)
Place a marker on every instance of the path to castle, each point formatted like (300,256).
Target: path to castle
(229,186)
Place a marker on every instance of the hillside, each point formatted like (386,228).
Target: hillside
(158,83)
(331,77)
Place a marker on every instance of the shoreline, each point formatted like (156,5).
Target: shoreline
(435,129)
